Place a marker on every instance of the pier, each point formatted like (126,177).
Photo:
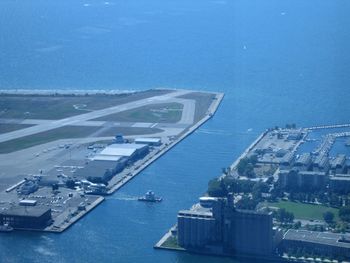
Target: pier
(329,126)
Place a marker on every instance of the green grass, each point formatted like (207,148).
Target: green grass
(128,131)
(171,242)
(160,113)
(55,107)
(9,127)
(68,132)
(65,132)
(305,211)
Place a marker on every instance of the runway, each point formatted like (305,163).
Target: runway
(187,117)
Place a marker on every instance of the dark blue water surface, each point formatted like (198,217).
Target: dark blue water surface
(277,62)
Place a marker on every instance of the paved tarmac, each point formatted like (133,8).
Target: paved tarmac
(187,117)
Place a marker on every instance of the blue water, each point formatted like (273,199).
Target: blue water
(277,61)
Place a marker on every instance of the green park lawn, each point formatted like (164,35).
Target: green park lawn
(305,211)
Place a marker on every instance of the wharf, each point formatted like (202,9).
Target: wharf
(165,148)
(59,227)
(67,209)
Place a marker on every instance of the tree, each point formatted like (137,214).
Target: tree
(297,225)
(54,187)
(247,203)
(284,216)
(328,217)
(241,167)
(70,183)
(344,213)
(216,188)
(334,200)
(245,166)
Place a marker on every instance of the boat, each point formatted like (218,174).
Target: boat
(5,228)
(150,197)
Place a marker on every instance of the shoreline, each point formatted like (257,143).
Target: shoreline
(211,111)
(138,168)
(232,167)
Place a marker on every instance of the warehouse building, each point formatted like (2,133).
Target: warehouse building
(303,163)
(149,141)
(338,165)
(340,183)
(132,151)
(321,163)
(317,243)
(295,179)
(101,171)
(26,217)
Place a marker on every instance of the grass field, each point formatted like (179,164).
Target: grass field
(45,137)
(203,101)
(9,127)
(55,107)
(68,132)
(305,211)
(159,113)
(171,242)
(128,131)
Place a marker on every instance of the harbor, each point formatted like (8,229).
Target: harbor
(59,196)
(280,159)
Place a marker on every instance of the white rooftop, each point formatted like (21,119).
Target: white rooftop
(102,157)
(124,149)
(147,140)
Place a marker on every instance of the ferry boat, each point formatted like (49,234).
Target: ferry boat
(150,197)
(5,228)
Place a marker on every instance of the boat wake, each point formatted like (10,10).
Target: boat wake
(214,132)
(121,198)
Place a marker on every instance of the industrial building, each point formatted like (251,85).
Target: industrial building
(149,141)
(195,228)
(101,171)
(287,160)
(112,160)
(28,202)
(215,224)
(340,183)
(338,165)
(26,217)
(249,232)
(303,163)
(132,151)
(295,135)
(295,179)
(317,243)
(321,163)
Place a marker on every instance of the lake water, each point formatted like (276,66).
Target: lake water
(277,62)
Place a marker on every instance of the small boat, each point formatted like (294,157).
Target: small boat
(150,197)
(5,228)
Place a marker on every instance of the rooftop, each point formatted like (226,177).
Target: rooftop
(324,238)
(103,157)
(304,159)
(32,211)
(340,177)
(126,149)
(197,211)
(154,140)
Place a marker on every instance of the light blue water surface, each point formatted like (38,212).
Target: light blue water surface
(277,61)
